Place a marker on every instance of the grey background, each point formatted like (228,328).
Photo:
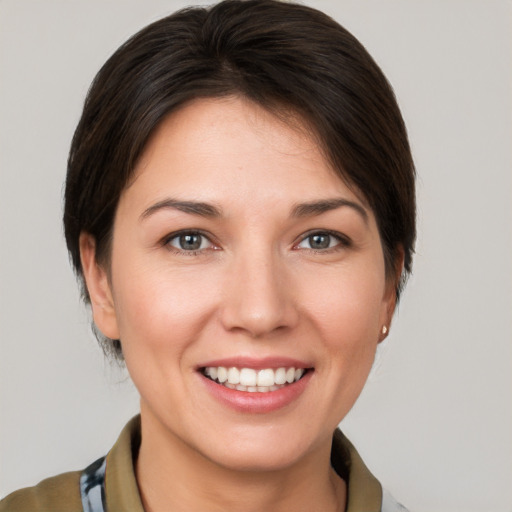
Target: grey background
(434,421)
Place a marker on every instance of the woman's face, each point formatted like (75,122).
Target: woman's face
(237,252)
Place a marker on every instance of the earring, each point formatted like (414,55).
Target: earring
(384,330)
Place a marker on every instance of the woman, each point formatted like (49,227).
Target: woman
(240,208)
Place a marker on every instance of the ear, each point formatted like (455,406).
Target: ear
(98,286)
(389,299)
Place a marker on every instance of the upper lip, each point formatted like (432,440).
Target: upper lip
(256,363)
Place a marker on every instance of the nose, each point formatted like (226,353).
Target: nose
(258,295)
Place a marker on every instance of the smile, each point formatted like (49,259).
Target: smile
(254,381)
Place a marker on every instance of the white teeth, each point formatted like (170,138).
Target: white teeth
(248,377)
(266,377)
(280,377)
(234,376)
(222,374)
(250,389)
(254,381)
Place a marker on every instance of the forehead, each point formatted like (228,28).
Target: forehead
(229,149)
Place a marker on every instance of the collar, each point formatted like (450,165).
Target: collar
(364,490)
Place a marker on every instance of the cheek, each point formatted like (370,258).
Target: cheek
(160,316)
(349,302)
(159,311)
(346,310)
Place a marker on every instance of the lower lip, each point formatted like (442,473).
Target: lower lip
(258,403)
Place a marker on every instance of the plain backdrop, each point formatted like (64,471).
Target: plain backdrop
(434,423)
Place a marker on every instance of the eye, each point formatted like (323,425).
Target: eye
(322,240)
(189,241)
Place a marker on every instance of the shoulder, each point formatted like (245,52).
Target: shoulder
(60,493)
(365,492)
(63,493)
(389,504)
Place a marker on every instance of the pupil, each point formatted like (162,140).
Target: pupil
(319,241)
(190,242)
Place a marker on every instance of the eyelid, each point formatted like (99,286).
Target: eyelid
(166,241)
(343,240)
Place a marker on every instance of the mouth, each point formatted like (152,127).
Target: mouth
(265,380)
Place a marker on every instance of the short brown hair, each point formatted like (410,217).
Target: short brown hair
(283,56)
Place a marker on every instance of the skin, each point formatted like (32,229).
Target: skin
(255,288)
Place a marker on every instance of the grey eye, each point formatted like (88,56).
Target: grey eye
(189,242)
(319,241)
(322,240)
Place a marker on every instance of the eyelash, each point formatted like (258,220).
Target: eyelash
(166,242)
(343,242)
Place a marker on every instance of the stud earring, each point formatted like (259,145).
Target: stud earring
(384,330)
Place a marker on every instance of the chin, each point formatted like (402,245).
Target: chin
(261,449)
(254,460)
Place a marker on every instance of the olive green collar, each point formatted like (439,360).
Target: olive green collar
(364,490)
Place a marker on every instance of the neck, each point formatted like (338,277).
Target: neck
(173,476)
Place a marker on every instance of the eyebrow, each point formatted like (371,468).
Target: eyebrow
(318,207)
(201,209)
(192,207)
